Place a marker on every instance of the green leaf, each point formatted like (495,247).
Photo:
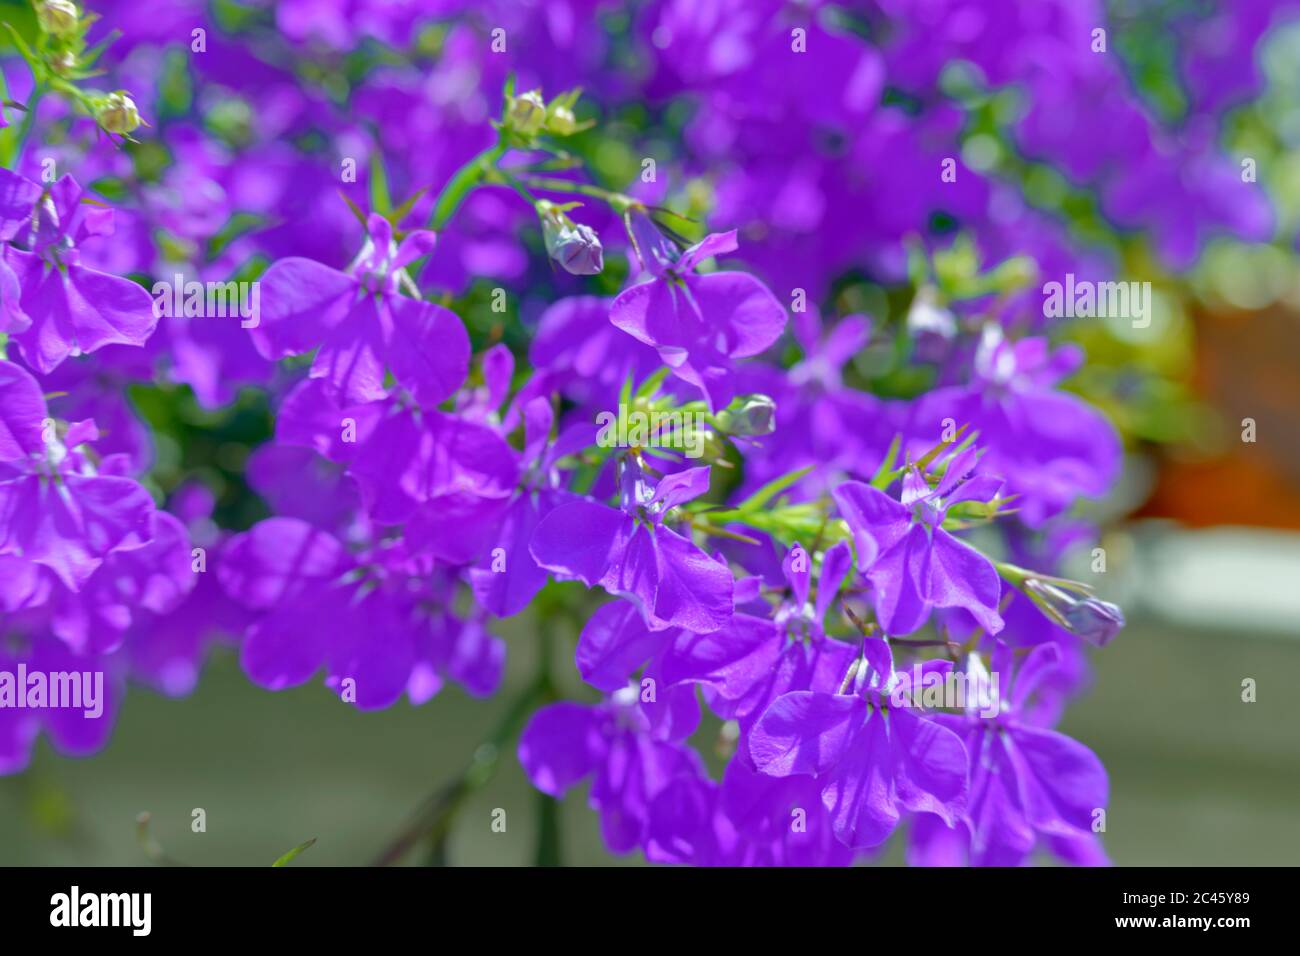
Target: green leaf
(380,200)
(288,857)
(24,50)
(924,461)
(241,223)
(401,212)
(760,498)
(651,385)
(887,472)
(356,210)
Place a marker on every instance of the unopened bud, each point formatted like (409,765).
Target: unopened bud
(573,246)
(526,114)
(560,120)
(57,17)
(748,415)
(1095,621)
(931,327)
(1080,613)
(117,114)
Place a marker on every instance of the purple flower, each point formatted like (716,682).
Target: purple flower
(1072,607)
(76,731)
(820,421)
(129,586)
(362,323)
(508,577)
(612,743)
(1052,447)
(747,820)
(1027,782)
(911,563)
(56,508)
(755,659)
(70,309)
(629,551)
(447,480)
(377,621)
(700,323)
(785,813)
(872,761)
(578,352)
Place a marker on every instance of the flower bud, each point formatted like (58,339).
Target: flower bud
(117,113)
(573,246)
(57,17)
(526,114)
(748,415)
(1095,621)
(64,62)
(931,327)
(560,120)
(1080,613)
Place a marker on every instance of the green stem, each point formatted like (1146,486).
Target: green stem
(499,177)
(618,201)
(434,818)
(463,182)
(548,831)
(25,128)
(549,839)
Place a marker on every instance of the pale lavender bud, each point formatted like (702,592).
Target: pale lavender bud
(573,246)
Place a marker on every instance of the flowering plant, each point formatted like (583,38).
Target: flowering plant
(816,577)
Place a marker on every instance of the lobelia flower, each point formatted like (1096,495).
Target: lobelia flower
(872,760)
(377,621)
(447,480)
(12,318)
(755,659)
(127,588)
(98,388)
(576,351)
(298,483)
(509,577)
(613,743)
(747,820)
(819,420)
(701,323)
(57,508)
(362,324)
(1027,782)
(69,309)
(76,731)
(165,650)
(1053,447)
(628,551)
(911,563)
(214,358)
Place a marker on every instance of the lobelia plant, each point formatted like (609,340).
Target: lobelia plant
(745,614)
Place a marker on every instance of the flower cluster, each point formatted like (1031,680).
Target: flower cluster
(821,601)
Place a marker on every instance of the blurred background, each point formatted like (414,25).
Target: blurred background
(1202,534)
